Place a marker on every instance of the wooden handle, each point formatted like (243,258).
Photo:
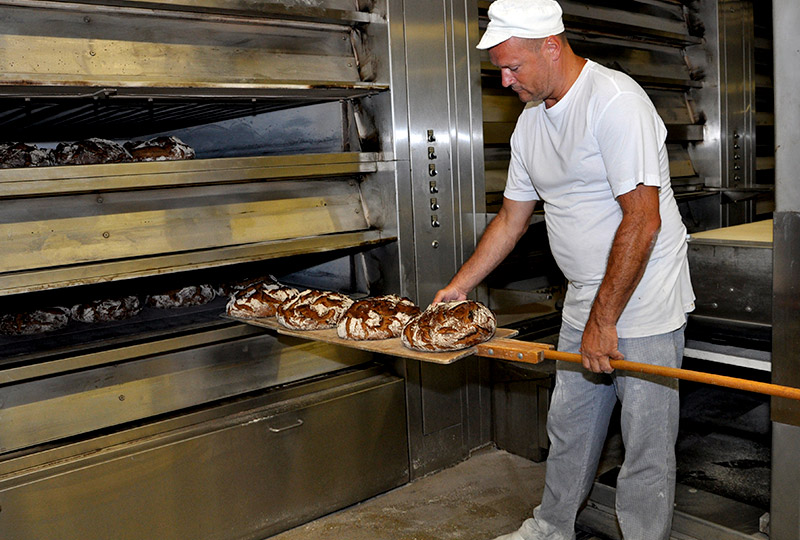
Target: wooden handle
(511,347)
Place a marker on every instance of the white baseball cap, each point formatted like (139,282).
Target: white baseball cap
(521,18)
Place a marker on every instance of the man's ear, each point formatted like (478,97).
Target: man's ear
(552,46)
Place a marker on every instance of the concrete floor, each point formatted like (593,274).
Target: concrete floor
(489,494)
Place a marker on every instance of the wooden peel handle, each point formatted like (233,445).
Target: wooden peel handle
(523,351)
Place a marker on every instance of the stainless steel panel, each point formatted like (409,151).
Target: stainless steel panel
(55,407)
(732,282)
(785,487)
(698,515)
(786,283)
(249,474)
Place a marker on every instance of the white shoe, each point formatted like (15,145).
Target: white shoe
(511,536)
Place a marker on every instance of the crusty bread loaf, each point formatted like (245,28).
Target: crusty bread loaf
(450,326)
(259,300)
(313,310)
(14,155)
(34,322)
(90,152)
(193,295)
(160,149)
(379,317)
(114,309)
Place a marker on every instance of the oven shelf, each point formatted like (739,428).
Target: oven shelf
(39,181)
(107,271)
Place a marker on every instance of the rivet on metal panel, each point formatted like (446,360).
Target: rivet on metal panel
(748,309)
(434,203)
(435,244)
(121,397)
(106,234)
(519,355)
(99,200)
(435,221)
(92,53)
(490,351)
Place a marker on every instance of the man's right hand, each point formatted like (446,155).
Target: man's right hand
(448,294)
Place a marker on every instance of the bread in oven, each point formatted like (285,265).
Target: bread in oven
(15,155)
(450,326)
(34,322)
(259,300)
(160,149)
(90,152)
(193,295)
(114,309)
(379,317)
(313,310)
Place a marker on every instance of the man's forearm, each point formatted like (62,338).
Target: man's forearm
(627,262)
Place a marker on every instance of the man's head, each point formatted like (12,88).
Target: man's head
(526,41)
(530,19)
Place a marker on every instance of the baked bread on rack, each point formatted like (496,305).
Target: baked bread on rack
(193,295)
(90,152)
(259,300)
(114,309)
(14,155)
(160,149)
(313,310)
(450,326)
(379,317)
(34,322)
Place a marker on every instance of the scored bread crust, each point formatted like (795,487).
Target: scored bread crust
(192,295)
(160,149)
(313,310)
(34,322)
(380,317)
(259,300)
(113,309)
(450,326)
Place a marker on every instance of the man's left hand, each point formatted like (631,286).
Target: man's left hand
(599,346)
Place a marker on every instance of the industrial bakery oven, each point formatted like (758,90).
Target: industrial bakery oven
(335,147)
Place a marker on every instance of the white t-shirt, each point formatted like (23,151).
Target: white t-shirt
(601,140)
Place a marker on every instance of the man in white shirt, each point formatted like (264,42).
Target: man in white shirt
(591,146)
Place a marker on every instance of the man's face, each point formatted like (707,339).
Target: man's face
(524,68)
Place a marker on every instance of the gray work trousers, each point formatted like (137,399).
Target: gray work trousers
(577,422)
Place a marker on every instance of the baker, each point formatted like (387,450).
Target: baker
(591,146)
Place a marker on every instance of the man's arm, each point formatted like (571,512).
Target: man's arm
(500,237)
(627,261)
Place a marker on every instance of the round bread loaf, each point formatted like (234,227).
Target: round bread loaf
(261,300)
(380,317)
(450,326)
(313,310)
(14,155)
(160,149)
(193,295)
(114,309)
(34,322)
(90,152)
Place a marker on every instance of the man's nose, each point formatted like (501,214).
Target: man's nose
(506,78)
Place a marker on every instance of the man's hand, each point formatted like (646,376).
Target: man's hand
(598,346)
(448,294)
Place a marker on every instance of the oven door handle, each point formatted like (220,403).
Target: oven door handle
(296,424)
